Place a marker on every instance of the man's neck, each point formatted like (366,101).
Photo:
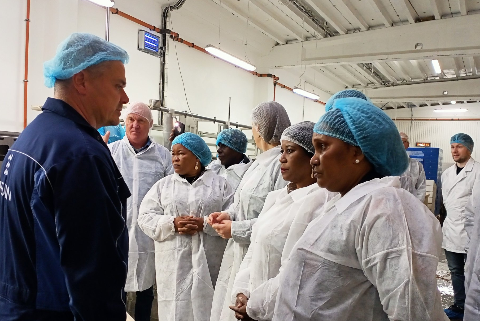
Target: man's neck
(79,108)
(137,145)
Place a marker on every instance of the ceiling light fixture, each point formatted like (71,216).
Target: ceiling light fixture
(305,93)
(458,110)
(103,3)
(453,102)
(436,66)
(229,58)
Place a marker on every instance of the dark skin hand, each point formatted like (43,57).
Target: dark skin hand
(240,308)
(188,225)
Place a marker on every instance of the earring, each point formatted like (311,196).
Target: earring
(196,166)
(357,161)
(312,173)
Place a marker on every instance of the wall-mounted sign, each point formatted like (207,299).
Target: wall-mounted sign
(423,144)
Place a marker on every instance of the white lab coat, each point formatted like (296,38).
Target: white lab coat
(140,171)
(371,255)
(262,298)
(413,179)
(261,178)
(233,174)
(456,192)
(187,266)
(472,266)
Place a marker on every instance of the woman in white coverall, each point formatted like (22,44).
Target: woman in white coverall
(372,253)
(269,121)
(188,251)
(269,233)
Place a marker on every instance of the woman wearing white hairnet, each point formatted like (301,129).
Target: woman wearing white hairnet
(269,121)
(188,251)
(269,234)
(413,179)
(372,253)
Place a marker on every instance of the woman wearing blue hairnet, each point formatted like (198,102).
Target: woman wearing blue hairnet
(269,120)
(372,252)
(188,251)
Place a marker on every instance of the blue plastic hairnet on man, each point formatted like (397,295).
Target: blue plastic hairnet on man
(66,215)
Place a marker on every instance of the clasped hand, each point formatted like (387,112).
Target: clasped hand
(221,223)
(188,225)
(240,307)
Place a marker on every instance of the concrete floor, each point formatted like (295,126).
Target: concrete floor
(443,281)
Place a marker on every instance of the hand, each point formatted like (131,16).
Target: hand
(240,307)
(106,137)
(198,222)
(185,225)
(217,217)
(224,229)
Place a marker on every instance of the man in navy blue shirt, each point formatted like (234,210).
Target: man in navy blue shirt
(63,240)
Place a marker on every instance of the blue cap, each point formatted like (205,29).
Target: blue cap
(360,123)
(347,93)
(78,52)
(463,139)
(233,138)
(196,145)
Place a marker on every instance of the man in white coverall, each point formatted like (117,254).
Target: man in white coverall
(457,183)
(142,163)
(413,180)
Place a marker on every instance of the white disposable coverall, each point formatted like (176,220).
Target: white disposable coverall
(371,255)
(140,171)
(457,192)
(233,174)
(187,266)
(261,303)
(261,178)
(413,180)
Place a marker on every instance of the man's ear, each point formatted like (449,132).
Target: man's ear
(79,82)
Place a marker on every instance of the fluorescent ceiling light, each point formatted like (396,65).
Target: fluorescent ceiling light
(436,66)
(458,110)
(304,93)
(229,58)
(103,3)
(453,102)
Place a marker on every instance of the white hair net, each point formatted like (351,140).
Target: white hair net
(404,136)
(300,134)
(140,109)
(271,119)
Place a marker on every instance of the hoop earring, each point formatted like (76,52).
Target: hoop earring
(357,161)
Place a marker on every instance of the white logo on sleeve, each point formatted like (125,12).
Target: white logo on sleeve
(5,172)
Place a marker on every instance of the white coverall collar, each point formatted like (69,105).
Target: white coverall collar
(206,178)
(265,157)
(365,188)
(130,147)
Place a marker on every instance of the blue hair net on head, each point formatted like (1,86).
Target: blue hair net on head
(463,139)
(300,134)
(233,138)
(360,123)
(347,93)
(196,145)
(78,52)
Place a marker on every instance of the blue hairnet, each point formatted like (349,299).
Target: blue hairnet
(300,134)
(463,139)
(271,119)
(116,132)
(196,145)
(347,93)
(78,52)
(233,138)
(360,123)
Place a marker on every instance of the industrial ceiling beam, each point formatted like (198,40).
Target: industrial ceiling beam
(227,6)
(359,79)
(386,71)
(320,32)
(463,7)
(322,11)
(387,44)
(278,18)
(346,7)
(380,9)
(435,10)
(330,75)
(427,92)
(457,66)
(408,10)
(368,75)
